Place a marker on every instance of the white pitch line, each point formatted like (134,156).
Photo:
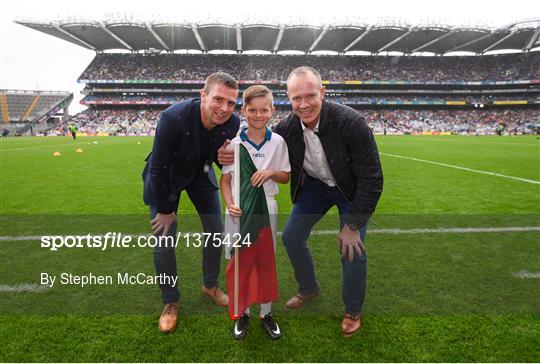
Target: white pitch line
(69,143)
(452,230)
(526,274)
(38,237)
(463,168)
(475,141)
(23,287)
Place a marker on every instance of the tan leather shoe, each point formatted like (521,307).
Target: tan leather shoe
(300,300)
(351,324)
(217,295)
(168,318)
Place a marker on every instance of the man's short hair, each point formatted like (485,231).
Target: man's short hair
(257,91)
(304,70)
(220,78)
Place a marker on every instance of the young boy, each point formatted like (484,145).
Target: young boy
(270,156)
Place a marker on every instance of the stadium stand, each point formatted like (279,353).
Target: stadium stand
(342,97)
(30,112)
(115,121)
(335,69)
(447,104)
(405,93)
(467,122)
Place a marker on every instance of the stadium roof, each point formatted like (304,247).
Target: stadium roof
(143,36)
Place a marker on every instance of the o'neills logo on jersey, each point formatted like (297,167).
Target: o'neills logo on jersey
(257,155)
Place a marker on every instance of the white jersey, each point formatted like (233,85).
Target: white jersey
(271,154)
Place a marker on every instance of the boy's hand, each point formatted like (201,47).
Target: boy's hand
(258,178)
(234,211)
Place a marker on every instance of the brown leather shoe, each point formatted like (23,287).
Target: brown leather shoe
(351,324)
(300,300)
(168,318)
(217,295)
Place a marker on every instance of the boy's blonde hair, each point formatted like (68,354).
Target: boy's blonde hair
(257,91)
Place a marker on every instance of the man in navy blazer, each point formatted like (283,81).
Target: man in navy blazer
(187,138)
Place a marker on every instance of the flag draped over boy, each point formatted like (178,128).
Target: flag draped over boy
(255,279)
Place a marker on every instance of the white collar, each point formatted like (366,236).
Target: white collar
(315,129)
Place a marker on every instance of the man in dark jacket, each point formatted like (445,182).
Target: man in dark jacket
(187,138)
(334,162)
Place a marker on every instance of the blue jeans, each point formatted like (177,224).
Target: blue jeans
(205,197)
(314,200)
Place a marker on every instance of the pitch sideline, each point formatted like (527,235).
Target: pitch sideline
(396,231)
(462,168)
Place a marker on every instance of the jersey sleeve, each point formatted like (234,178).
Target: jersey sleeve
(284,164)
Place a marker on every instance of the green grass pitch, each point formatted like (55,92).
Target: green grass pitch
(456,291)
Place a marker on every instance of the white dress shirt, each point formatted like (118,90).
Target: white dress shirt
(315,163)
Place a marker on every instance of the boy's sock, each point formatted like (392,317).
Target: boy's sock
(266,308)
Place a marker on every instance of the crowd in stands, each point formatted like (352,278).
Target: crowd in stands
(474,99)
(132,98)
(115,121)
(480,122)
(136,121)
(333,68)
(349,99)
(139,120)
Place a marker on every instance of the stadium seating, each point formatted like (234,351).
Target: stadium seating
(31,112)
(130,121)
(342,99)
(18,104)
(332,68)
(140,121)
(125,92)
(23,106)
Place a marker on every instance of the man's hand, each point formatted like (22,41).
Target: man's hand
(163,222)
(349,242)
(225,156)
(258,178)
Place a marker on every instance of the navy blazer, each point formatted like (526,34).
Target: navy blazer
(175,159)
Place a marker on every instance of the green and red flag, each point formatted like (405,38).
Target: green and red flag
(251,273)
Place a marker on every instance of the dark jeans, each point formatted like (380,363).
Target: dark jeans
(205,197)
(314,200)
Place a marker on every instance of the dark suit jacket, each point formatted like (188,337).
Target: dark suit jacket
(175,159)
